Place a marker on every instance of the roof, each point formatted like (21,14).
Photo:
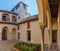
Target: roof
(18,4)
(8,12)
(4,22)
(24,4)
(31,18)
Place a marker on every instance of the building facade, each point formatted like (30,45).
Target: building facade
(9,22)
(14,26)
(21,8)
(8,25)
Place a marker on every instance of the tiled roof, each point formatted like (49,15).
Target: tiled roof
(18,4)
(35,17)
(8,12)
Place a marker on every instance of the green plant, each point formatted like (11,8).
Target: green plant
(23,46)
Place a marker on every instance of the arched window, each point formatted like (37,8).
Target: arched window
(13,34)
(4,33)
(14,19)
(5,17)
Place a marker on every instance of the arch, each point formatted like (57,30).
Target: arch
(14,19)
(13,34)
(4,33)
(6,17)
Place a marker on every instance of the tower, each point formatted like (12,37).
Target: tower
(21,9)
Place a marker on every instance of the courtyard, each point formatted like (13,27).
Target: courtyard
(6,45)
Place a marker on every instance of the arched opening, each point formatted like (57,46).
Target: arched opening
(4,33)
(14,19)
(5,17)
(13,34)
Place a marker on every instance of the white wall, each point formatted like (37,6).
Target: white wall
(21,11)
(0,16)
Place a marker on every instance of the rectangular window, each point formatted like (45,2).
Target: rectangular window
(24,6)
(18,27)
(28,35)
(28,25)
(18,35)
(4,18)
(14,19)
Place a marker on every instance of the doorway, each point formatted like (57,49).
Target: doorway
(4,33)
(13,34)
(54,36)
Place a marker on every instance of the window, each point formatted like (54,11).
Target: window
(29,35)
(54,36)
(28,25)
(24,6)
(14,19)
(18,35)
(19,17)
(18,27)
(25,13)
(4,18)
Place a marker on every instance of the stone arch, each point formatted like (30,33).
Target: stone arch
(6,17)
(13,34)
(4,33)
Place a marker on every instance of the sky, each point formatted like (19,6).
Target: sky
(9,4)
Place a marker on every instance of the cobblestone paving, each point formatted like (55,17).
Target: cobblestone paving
(6,46)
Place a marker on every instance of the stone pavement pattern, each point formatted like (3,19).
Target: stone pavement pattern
(6,46)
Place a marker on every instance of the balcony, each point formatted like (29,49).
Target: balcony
(6,17)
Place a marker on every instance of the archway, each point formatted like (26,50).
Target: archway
(6,17)
(14,19)
(4,33)
(13,34)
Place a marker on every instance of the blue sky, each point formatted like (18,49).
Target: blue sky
(9,4)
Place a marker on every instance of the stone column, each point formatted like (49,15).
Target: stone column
(42,28)
(0,16)
(10,17)
(50,38)
(1,36)
(58,34)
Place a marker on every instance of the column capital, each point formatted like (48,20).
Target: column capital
(42,26)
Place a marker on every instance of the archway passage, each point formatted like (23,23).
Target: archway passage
(4,33)
(13,34)
(54,36)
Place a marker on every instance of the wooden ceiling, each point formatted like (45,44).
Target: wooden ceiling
(54,5)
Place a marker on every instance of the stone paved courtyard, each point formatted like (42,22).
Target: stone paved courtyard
(6,46)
